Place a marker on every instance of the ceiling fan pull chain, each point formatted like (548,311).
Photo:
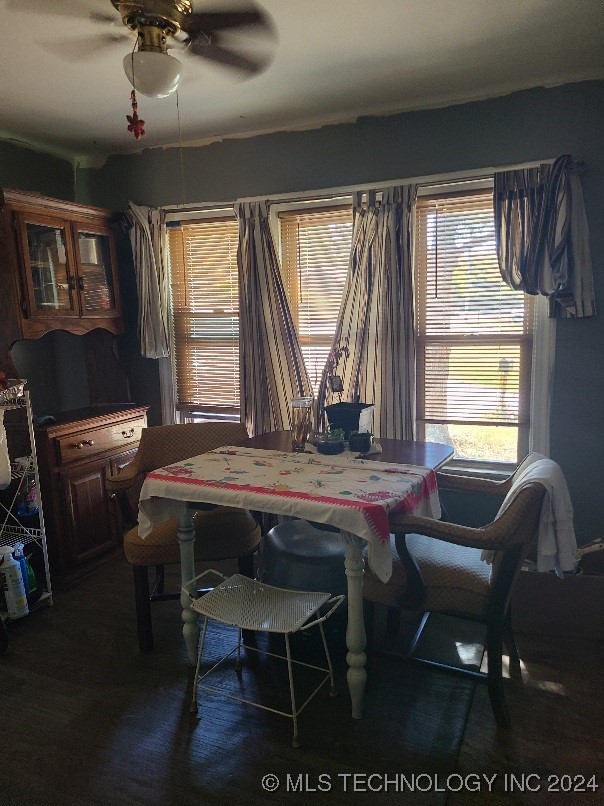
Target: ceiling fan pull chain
(136,124)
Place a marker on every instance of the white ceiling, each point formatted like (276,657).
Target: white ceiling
(334,60)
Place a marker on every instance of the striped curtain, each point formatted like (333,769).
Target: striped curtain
(272,366)
(147,232)
(542,236)
(374,345)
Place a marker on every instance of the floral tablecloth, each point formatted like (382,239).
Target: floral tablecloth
(354,495)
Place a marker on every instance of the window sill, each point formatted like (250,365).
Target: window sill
(497,471)
(189,416)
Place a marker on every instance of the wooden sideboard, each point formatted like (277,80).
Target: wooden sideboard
(75,454)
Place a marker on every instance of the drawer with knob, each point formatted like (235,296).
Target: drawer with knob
(75,454)
(83,444)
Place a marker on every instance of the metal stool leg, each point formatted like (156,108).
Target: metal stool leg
(202,640)
(332,688)
(238,664)
(296,739)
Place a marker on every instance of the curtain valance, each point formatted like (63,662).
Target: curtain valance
(542,236)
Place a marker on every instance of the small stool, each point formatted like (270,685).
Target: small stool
(250,605)
(295,554)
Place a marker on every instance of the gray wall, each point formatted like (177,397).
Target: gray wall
(26,169)
(55,368)
(530,125)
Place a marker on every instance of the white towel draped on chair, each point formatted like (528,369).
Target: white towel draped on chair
(556,542)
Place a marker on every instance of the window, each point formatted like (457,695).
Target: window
(474,334)
(315,251)
(205,298)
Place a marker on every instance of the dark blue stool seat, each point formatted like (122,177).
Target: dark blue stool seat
(298,555)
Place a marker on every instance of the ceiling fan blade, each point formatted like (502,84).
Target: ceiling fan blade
(80,50)
(75,9)
(226,57)
(209,21)
(99,16)
(206,30)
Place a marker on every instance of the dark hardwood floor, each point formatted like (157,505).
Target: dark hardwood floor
(86,720)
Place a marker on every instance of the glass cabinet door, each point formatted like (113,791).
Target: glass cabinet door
(95,272)
(52,281)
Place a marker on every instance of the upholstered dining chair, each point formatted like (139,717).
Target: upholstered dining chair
(221,533)
(437,567)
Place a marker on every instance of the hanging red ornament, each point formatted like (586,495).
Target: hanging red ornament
(137,125)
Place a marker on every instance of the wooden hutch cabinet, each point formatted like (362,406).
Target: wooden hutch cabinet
(59,271)
(58,268)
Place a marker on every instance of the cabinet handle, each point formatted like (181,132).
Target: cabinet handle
(80,445)
(88,442)
(128,434)
(71,281)
(81,283)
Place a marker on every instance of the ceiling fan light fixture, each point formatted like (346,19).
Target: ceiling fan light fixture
(153,74)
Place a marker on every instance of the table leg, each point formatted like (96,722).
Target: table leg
(186,538)
(355,631)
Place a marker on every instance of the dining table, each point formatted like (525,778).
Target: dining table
(356,495)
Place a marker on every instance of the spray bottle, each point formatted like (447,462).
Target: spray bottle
(12,583)
(28,503)
(20,558)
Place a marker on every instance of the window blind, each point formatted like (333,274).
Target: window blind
(203,263)
(315,251)
(474,333)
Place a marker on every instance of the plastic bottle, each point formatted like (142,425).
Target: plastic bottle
(33,592)
(28,505)
(12,582)
(20,558)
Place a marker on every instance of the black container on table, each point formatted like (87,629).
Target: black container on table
(330,447)
(350,416)
(360,442)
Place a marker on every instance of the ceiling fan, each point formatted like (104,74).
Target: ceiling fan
(159,23)
(215,35)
